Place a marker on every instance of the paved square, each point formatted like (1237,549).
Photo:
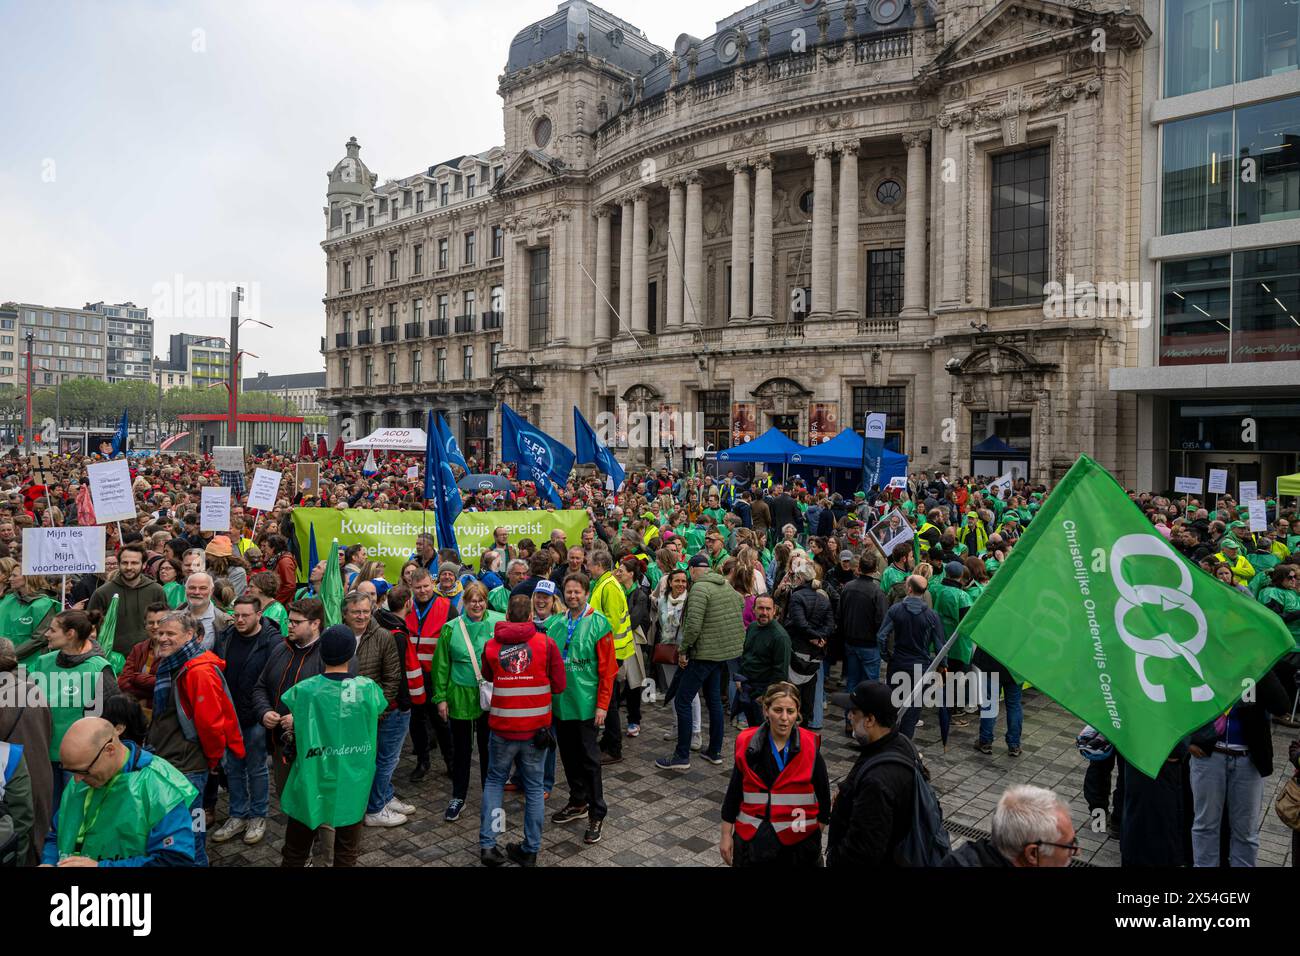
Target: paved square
(666,818)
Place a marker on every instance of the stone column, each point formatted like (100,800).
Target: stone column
(693,306)
(823,214)
(846,263)
(914,257)
(739,241)
(763,239)
(625,271)
(676,250)
(600,314)
(640,262)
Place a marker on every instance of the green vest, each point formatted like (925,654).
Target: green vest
(578,700)
(499,599)
(1290,601)
(948,604)
(335,727)
(275,611)
(891,577)
(63,688)
(462,668)
(119,817)
(175,592)
(19,620)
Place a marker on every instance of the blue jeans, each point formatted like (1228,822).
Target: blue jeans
(1233,779)
(502,755)
(700,676)
(199,818)
(548,769)
(388,750)
(819,699)
(989,707)
(860,663)
(248,777)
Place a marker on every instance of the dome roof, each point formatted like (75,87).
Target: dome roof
(604,36)
(350,177)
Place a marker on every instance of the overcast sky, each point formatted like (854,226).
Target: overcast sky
(151,142)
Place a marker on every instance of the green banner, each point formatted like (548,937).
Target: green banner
(389,536)
(1099,612)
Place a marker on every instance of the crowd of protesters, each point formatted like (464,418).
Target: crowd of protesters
(744,603)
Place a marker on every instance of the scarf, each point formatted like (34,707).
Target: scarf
(167,670)
(670,617)
(451,594)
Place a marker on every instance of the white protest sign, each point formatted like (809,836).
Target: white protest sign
(266,485)
(412,472)
(1218,481)
(1004,483)
(63,550)
(1188,486)
(898,481)
(110,490)
(1249,492)
(1258,515)
(228,457)
(214,510)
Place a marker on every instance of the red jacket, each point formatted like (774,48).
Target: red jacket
(286,570)
(201,691)
(139,675)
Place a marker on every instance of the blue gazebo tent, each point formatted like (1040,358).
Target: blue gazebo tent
(772,446)
(845,451)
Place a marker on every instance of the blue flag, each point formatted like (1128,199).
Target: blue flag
(450,450)
(119,437)
(313,558)
(873,451)
(592,451)
(440,487)
(540,457)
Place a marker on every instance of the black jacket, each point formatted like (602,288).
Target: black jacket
(873,811)
(784,511)
(243,673)
(976,853)
(862,611)
(286,665)
(1256,727)
(402,634)
(915,629)
(808,617)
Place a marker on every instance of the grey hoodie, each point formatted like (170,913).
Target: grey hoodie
(912,631)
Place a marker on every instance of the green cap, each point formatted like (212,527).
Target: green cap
(1230,543)
(859,494)
(1237,524)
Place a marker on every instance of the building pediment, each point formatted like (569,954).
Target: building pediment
(530,168)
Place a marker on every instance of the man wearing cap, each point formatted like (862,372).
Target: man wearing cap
(1230,554)
(334,720)
(873,810)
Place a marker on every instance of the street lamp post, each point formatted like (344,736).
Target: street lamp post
(30,337)
(232,413)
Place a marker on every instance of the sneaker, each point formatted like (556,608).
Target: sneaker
(255,832)
(634,730)
(453,811)
(697,743)
(384,818)
(228,830)
(672,763)
(960,722)
(399,806)
(492,857)
(716,761)
(670,734)
(607,759)
(592,835)
(571,812)
(1014,751)
(515,854)
(982,747)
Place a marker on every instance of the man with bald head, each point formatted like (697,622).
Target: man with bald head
(141,819)
(915,633)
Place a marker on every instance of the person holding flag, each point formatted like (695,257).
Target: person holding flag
(119,445)
(592,451)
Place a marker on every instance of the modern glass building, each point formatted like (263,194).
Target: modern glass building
(1217,374)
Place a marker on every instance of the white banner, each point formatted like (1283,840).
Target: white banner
(1218,481)
(266,485)
(1003,483)
(1249,491)
(1188,486)
(898,481)
(875,426)
(412,472)
(228,458)
(214,510)
(53,551)
(1258,515)
(891,531)
(110,490)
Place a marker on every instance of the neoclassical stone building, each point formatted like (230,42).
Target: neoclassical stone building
(822,210)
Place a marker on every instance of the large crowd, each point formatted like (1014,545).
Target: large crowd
(201,660)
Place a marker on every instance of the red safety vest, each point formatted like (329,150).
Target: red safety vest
(791,800)
(424,634)
(521,686)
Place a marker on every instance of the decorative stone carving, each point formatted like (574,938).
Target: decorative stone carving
(692,61)
(682,156)
(715,219)
(764,37)
(674,67)
(916,138)
(850,20)
(782,396)
(821,151)
(828,124)
(823,24)
(743,140)
(582,43)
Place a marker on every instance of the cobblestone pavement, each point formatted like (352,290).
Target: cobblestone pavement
(666,818)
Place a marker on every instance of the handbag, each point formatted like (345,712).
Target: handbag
(665,654)
(1288,804)
(484,687)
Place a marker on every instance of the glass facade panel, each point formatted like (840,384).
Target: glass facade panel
(1266,305)
(1268,162)
(1019,218)
(1194,318)
(1198,45)
(1269,30)
(1197,174)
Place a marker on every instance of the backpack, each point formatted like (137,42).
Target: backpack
(188,730)
(926,843)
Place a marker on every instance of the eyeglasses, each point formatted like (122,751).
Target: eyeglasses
(90,765)
(1072,847)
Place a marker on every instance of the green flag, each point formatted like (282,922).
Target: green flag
(1099,612)
(107,634)
(331,587)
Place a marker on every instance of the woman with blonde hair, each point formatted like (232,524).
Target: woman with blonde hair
(26,612)
(779,796)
